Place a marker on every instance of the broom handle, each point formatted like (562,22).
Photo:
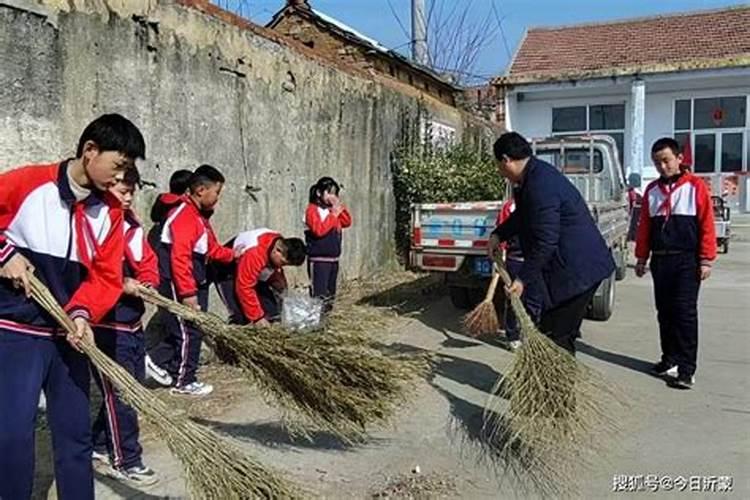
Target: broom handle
(493,286)
(153,297)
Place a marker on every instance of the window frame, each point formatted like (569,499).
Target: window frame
(718,133)
(589,131)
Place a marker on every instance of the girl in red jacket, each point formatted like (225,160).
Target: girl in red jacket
(325,219)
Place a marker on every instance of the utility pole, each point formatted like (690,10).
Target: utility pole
(419,32)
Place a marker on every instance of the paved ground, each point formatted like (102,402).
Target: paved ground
(703,432)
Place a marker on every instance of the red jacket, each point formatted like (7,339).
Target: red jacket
(140,259)
(677,216)
(323,230)
(190,242)
(254,266)
(75,247)
(139,263)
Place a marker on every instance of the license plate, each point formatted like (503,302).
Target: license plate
(482,266)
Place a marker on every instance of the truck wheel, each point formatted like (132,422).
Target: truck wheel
(622,266)
(603,303)
(459,297)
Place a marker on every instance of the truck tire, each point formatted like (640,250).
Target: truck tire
(621,271)
(603,303)
(459,297)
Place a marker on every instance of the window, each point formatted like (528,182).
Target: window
(569,119)
(576,161)
(606,119)
(731,152)
(705,153)
(721,112)
(717,129)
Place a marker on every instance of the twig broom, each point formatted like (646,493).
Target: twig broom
(561,416)
(483,319)
(215,469)
(336,382)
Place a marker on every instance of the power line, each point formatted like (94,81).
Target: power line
(502,30)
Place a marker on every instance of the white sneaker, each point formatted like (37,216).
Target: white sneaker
(514,345)
(194,389)
(99,458)
(42,404)
(137,476)
(157,373)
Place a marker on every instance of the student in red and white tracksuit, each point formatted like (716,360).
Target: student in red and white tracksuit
(676,230)
(251,291)
(120,336)
(59,222)
(165,202)
(188,244)
(325,219)
(533,296)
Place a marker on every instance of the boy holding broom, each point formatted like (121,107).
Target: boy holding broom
(676,230)
(120,336)
(59,222)
(188,244)
(251,292)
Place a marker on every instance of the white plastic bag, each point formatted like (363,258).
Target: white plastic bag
(301,312)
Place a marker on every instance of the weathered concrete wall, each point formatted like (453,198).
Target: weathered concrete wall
(205,91)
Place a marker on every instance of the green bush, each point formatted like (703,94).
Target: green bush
(451,173)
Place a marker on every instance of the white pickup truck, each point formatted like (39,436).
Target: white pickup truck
(451,238)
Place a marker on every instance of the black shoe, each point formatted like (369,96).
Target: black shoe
(683,382)
(662,369)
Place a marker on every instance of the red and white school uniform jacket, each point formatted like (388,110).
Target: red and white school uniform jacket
(188,243)
(323,232)
(139,263)
(677,216)
(253,267)
(76,247)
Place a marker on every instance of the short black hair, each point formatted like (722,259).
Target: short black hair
(179,182)
(324,184)
(205,175)
(132,177)
(666,143)
(294,250)
(513,145)
(113,132)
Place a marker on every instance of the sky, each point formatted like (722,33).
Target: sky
(378,18)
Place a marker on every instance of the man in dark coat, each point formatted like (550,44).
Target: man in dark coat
(562,246)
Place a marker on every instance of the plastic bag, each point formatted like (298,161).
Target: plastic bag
(301,312)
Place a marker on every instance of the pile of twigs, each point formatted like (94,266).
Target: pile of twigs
(214,467)
(333,380)
(561,416)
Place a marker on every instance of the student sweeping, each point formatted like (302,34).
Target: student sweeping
(676,230)
(252,291)
(120,336)
(59,222)
(179,182)
(188,244)
(325,219)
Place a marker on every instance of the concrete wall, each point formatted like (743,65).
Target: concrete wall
(206,91)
